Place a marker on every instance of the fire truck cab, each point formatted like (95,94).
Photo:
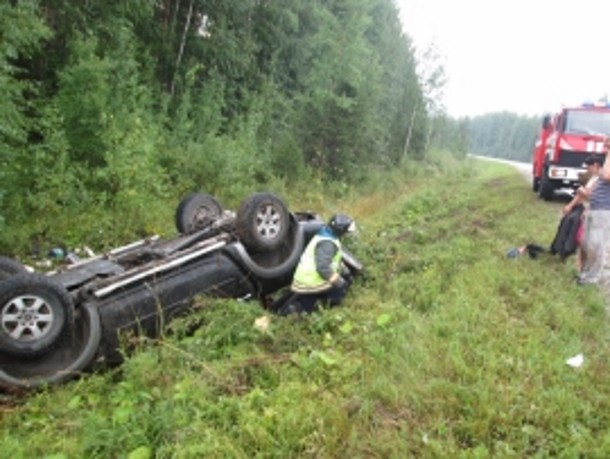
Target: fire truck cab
(564,141)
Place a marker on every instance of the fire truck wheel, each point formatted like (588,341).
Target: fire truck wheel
(546,189)
(535,184)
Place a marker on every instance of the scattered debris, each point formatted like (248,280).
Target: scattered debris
(515,252)
(532,250)
(576,361)
(262,323)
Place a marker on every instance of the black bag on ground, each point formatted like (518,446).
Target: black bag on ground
(565,243)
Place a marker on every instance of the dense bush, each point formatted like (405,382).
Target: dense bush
(115,110)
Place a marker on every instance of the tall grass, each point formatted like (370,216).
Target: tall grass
(444,348)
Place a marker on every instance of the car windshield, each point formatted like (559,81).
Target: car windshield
(587,122)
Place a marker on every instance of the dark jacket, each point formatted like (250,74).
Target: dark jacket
(565,243)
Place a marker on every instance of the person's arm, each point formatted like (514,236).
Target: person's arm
(604,173)
(585,192)
(324,254)
(582,194)
(577,199)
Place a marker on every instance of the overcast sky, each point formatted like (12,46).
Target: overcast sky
(524,56)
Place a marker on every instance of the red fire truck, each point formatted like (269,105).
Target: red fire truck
(564,141)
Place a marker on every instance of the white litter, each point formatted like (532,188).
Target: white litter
(262,323)
(576,361)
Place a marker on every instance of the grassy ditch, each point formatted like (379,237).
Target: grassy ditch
(444,348)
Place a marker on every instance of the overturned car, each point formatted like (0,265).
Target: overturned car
(57,325)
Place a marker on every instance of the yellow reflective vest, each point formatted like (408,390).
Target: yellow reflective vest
(307,279)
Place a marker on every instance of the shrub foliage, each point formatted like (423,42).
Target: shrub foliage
(117,105)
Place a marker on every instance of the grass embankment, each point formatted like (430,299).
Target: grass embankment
(445,348)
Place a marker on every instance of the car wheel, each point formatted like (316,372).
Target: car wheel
(262,222)
(10,268)
(35,314)
(69,359)
(196,211)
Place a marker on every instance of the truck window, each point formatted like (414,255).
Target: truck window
(587,122)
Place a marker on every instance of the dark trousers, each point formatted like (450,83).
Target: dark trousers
(292,302)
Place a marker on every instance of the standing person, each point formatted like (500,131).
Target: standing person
(596,239)
(318,276)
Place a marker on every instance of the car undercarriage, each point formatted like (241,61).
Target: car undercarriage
(57,325)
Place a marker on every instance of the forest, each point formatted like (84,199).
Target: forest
(113,111)
(504,135)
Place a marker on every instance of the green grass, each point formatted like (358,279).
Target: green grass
(444,348)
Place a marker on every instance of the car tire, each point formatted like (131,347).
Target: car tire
(546,189)
(262,222)
(35,314)
(68,360)
(10,268)
(196,211)
(535,184)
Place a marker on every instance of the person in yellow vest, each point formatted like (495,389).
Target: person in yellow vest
(318,276)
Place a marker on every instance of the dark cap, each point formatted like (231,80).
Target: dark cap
(594,159)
